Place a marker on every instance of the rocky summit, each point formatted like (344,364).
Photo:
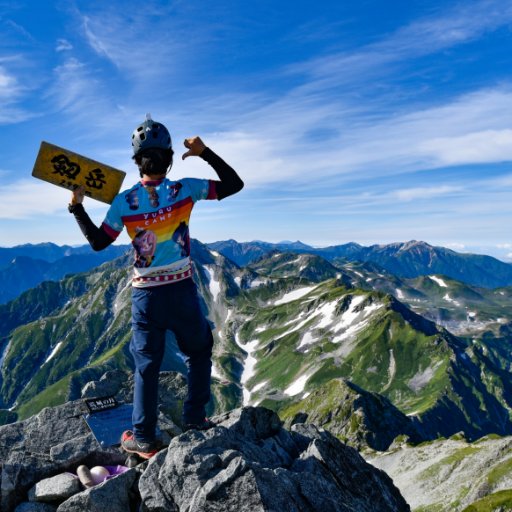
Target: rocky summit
(247,462)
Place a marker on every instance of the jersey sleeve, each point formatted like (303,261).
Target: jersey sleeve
(113,223)
(200,189)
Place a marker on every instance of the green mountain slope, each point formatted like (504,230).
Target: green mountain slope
(284,328)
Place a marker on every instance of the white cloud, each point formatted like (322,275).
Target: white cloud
(419,193)
(152,46)
(39,199)
(9,86)
(472,129)
(12,92)
(63,45)
(478,147)
(96,43)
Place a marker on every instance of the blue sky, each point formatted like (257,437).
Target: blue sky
(369,121)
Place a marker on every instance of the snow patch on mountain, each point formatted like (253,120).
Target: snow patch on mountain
(447,298)
(352,322)
(215,372)
(259,386)
(399,294)
(4,352)
(257,282)
(438,281)
(391,369)
(53,352)
(213,283)
(326,312)
(350,315)
(294,295)
(249,365)
(307,339)
(349,333)
(298,385)
(422,378)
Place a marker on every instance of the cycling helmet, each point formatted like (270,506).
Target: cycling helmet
(150,134)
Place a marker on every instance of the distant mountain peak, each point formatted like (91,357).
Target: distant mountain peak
(415,244)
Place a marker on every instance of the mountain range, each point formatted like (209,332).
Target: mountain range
(371,356)
(25,266)
(285,326)
(405,259)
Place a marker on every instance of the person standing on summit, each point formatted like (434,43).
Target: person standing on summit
(156,213)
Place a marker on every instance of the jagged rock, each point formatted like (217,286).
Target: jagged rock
(109,384)
(74,450)
(35,507)
(58,440)
(114,495)
(57,488)
(250,463)
(450,475)
(172,391)
(360,418)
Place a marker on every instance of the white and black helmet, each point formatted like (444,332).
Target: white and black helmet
(150,134)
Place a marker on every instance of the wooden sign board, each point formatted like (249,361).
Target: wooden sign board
(70,170)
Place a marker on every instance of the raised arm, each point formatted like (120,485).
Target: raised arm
(97,237)
(230,183)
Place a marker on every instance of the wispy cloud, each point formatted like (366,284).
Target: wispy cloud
(425,193)
(12,91)
(429,35)
(63,45)
(8,84)
(150,46)
(39,199)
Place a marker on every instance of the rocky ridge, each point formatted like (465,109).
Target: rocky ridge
(452,475)
(247,462)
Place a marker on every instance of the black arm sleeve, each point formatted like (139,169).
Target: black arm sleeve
(97,237)
(230,183)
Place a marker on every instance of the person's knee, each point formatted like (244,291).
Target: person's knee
(148,368)
(198,344)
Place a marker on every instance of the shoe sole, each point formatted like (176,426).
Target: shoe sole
(143,455)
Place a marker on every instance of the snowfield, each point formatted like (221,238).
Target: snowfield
(294,295)
(438,281)
(213,283)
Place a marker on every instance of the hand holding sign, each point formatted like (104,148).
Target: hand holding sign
(78,195)
(84,176)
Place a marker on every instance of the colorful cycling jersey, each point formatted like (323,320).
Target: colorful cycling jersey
(156,215)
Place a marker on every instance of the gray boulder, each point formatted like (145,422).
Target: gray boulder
(250,463)
(58,488)
(109,384)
